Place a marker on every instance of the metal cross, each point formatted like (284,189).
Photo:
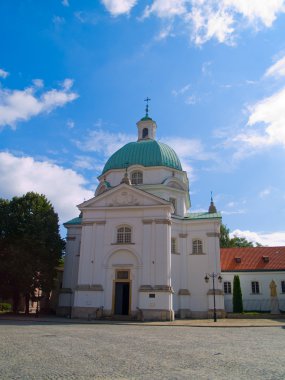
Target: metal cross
(146,108)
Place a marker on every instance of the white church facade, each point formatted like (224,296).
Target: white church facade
(135,250)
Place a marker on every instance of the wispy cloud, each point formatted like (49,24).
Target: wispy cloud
(166,8)
(265,192)
(65,3)
(22,105)
(104,142)
(86,17)
(217,19)
(58,20)
(117,8)
(22,174)
(273,239)
(189,148)
(277,69)
(182,90)
(191,100)
(86,162)
(3,73)
(70,124)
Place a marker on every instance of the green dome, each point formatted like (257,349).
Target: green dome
(145,153)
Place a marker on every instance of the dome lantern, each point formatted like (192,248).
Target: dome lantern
(146,126)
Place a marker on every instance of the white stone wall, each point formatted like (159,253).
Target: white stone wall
(189,270)
(257,302)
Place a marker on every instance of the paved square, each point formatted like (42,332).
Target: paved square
(39,350)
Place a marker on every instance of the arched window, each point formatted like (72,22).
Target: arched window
(124,235)
(197,246)
(137,178)
(145,133)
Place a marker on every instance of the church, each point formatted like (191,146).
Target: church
(136,251)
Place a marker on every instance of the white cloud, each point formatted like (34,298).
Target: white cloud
(63,187)
(3,73)
(164,33)
(273,239)
(119,7)
(188,148)
(268,115)
(217,19)
(277,70)
(181,90)
(38,83)
(264,193)
(65,3)
(206,68)
(85,162)
(22,105)
(191,100)
(166,8)
(208,20)
(257,11)
(104,142)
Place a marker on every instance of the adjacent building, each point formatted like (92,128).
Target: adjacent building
(256,267)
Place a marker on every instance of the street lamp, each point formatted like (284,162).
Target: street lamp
(213,276)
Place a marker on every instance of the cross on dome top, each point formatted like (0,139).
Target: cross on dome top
(146,107)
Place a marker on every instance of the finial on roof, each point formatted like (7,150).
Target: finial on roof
(212,208)
(146,107)
(126,179)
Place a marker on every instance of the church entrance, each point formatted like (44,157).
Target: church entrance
(122,293)
(122,297)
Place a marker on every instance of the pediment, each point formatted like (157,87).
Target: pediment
(123,196)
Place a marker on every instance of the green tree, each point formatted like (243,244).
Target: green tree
(237,296)
(227,242)
(224,236)
(30,246)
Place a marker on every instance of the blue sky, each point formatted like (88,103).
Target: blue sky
(74,76)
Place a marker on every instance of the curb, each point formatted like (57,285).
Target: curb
(190,323)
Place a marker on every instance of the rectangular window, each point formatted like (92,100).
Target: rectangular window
(124,235)
(283,286)
(173,201)
(255,287)
(227,287)
(122,275)
(197,247)
(173,245)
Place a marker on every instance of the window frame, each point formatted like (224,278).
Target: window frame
(137,177)
(255,287)
(197,246)
(227,287)
(124,235)
(283,286)
(174,245)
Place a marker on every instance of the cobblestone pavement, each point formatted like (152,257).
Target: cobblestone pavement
(41,350)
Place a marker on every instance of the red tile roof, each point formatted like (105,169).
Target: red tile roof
(253,259)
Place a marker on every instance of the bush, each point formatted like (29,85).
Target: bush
(5,306)
(237,296)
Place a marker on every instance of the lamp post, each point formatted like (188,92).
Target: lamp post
(214,275)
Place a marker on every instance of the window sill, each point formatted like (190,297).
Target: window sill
(197,254)
(256,294)
(122,243)
(175,253)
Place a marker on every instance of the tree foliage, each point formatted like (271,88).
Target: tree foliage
(30,246)
(227,242)
(237,296)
